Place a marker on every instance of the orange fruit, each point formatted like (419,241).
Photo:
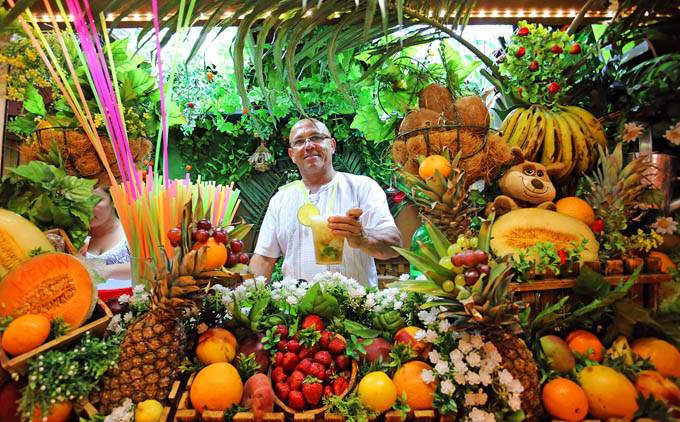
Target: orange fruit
(25,333)
(566,400)
(218,386)
(432,163)
(419,395)
(577,208)
(58,412)
(666,264)
(377,391)
(216,345)
(407,335)
(664,356)
(217,253)
(581,340)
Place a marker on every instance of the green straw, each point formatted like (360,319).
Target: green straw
(302,186)
(330,204)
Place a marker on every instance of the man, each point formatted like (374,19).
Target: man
(359,214)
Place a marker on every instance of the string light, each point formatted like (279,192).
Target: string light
(494,13)
(481,13)
(534,13)
(442,13)
(508,13)
(308,13)
(572,13)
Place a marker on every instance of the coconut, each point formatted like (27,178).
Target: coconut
(472,112)
(412,166)
(87,164)
(420,119)
(496,153)
(143,151)
(435,97)
(399,152)
(78,144)
(417,145)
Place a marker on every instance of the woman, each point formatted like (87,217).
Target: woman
(107,247)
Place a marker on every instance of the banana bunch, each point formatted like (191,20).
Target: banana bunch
(390,321)
(569,136)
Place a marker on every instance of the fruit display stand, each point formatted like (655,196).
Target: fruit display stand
(96,325)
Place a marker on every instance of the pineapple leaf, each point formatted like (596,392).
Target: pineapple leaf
(240,231)
(427,251)
(247,366)
(423,263)
(439,240)
(420,286)
(439,279)
(484,238)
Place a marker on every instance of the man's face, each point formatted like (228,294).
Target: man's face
(311,148)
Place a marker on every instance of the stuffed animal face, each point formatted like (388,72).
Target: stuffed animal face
(528,182)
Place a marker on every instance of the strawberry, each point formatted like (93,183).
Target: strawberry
(295,380)
(304,365)
(336,346)
(339,385)
(533,65)
(325,339)
(327,391)
(346,374)
(317,370)
(330,373)
(191,105)
(313,321)
(282,390)
(294,346)
(278,359)
(556,49)
(523,31)
(342,362)
(308,352)
(598,226)
(553,87)
(278,374)
(501,59)
(575,49)
(312,390)
(521,52)
(323,357)
(296,400)
(281,345)
(290,360)
(282,330)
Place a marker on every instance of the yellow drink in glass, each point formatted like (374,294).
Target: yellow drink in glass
(327,246)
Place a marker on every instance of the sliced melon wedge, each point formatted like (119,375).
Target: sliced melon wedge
(18,237)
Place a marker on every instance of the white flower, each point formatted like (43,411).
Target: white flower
(515,387)
(261,280)
(444,326)
(123,413)
(478,415)
(427,376)
(514,402)
(442,367)
(114,324)
(138,289)
(421,277)
(404,276)
(464,346)
(426,317)
(665,225)
(476,341)
(476,399)
(202,328)
(419,335)
(403,296)
(505,377)
(123,298)
(631,132)
(447,387)
(431,336)
(434,356)
(460,379)
(370,302)
(485,377)
(292,300)
(474,359)
(398,304)
(673,134)
(456,356)
(127,317)
(473,378)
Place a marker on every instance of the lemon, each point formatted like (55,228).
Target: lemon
(305,212)
(149,411)
(377,391)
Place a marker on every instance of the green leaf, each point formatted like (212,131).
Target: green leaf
(359,330)
(33,101)
(439,240)
(368,122)
(423,263)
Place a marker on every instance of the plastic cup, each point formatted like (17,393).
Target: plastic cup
(327,246)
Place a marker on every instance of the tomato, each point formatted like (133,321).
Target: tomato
(377,391)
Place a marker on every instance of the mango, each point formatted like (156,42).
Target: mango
(560,357)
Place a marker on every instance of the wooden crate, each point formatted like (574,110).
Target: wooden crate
(17,364)
(70,249)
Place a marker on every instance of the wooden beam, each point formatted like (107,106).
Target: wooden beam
(4,40)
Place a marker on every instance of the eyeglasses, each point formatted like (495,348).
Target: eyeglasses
(314,139)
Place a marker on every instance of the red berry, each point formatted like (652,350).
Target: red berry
(556,49)
(313,321)
(290,361)
(533,65)
(282,390)
(236,245)
(481,256)
(598,226)
(342,362)
(282,330)
(471,277)
(294,346)
(204,224)
(469,258)
(523,31)
(242,258)
(339,386)
(521,92)
(202,236)
(521,52)
(553,87)
(575,49)
(296,400)
(191,105)
(501,59)
(175,236)
(336,346)
(307,352)
(220,236)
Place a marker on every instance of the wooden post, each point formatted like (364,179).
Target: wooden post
(4,40)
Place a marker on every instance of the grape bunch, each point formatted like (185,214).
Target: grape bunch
(466,261)
(201,235)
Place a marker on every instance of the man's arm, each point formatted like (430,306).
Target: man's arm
(262,265)
(378,243)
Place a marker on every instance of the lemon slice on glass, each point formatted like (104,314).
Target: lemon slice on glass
(305,212)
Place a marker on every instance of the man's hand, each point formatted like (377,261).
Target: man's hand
(349,227)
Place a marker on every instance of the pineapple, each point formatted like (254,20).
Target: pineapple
(442,201)
(486,307)
(155,344)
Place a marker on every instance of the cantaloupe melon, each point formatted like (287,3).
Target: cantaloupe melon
(53,284)
(18,237)
(525,227)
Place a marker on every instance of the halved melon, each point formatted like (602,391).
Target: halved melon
(53,284)
(17,237)
(525,227)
